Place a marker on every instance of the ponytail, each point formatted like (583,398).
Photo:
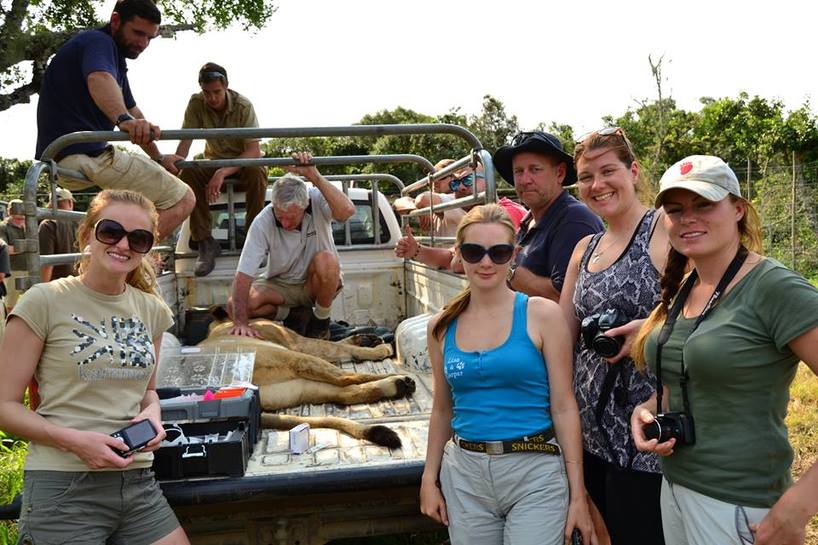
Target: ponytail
(451,311)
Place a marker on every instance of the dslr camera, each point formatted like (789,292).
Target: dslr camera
(671,425)
(593,332)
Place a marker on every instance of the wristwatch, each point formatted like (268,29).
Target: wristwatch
(123,118)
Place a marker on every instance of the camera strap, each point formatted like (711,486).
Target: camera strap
(673,313)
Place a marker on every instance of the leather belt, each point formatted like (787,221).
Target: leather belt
(529,443)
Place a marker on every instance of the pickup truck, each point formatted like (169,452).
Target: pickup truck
(347,488)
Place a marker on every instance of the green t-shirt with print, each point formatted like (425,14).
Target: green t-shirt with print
(740,369)
(97,359)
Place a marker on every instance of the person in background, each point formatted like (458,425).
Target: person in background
(615,275)
(303,273)
(725,343)
(218,107)
(503,412)
(537,165)
(462,184)
(91,342)
(5,272)
(58,237)
(14,228)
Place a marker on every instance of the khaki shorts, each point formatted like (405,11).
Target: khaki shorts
(117,169)
(295,295)
(93,507)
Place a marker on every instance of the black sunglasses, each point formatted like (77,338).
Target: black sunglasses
(522,137)
(211,76)
(473,253)
(111,232)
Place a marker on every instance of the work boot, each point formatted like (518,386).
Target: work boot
(298,319)
(317,328)
(209,249)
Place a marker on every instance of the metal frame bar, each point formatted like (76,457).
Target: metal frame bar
(47,164)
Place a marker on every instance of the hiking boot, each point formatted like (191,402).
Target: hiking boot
(298,319)
(209,249)
(318,328)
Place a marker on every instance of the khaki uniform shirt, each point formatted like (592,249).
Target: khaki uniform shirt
(238,113)
(9,233)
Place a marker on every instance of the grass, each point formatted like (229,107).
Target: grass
(802,421)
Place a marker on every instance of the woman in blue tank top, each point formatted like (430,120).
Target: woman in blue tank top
(501,364)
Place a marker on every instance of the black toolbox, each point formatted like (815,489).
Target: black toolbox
(211,413)
(225,456)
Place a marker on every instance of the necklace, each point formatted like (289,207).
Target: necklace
(597,255)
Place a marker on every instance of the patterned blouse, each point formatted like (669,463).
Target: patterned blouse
(630,285)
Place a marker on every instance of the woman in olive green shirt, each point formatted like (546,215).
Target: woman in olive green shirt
(733,332)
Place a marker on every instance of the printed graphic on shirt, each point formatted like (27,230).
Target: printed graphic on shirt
(454,368)
(123,344)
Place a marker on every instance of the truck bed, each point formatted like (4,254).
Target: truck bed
(272,469)
(349,488)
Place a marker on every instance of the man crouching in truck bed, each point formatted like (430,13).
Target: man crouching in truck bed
(303,273)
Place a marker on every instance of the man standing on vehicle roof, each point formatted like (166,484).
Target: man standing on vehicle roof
(303,271)
(537,165)
(217,107)
(85,88)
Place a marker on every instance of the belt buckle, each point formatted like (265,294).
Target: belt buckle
(494,447)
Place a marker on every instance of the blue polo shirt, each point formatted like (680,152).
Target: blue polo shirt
(65,105)
(546,248)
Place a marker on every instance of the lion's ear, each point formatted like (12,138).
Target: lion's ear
(219,313)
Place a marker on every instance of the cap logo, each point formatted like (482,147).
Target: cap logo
(685,167)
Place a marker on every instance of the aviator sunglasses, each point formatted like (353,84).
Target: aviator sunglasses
(111,232)
(465,181)
(473,253)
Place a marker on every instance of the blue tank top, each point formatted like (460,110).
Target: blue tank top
(502,393)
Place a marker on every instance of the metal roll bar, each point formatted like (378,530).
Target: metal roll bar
(47,164)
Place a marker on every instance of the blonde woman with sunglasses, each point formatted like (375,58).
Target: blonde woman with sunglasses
(504,461)
(91,345)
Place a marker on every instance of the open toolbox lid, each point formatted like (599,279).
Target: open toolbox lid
(194,367)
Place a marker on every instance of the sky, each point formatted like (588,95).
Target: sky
(327,63)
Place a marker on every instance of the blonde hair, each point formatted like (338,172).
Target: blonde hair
(749,228)
(144,276)
(487,213)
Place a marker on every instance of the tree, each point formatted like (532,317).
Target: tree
(31,31)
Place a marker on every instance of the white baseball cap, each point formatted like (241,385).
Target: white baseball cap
(705,175)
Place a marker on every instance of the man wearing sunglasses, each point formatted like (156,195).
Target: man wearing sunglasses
(86,88)
(218,107)
(539,167)
(303,272)
(462,183)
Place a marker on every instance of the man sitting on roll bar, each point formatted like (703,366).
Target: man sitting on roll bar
(218,107)
(85,88)
(303,272)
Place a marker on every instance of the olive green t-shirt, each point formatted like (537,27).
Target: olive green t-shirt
(238,113)
(97,359)
(740,368)
(10,232)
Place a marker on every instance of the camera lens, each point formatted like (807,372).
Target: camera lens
(652,430)
(607,347)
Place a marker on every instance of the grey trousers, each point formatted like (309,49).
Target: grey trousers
(691,518)
(510,499)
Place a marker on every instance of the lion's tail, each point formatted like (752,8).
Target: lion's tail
(380,435)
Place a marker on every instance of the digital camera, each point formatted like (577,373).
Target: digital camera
(673,425)
(594,328)
(135,436)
